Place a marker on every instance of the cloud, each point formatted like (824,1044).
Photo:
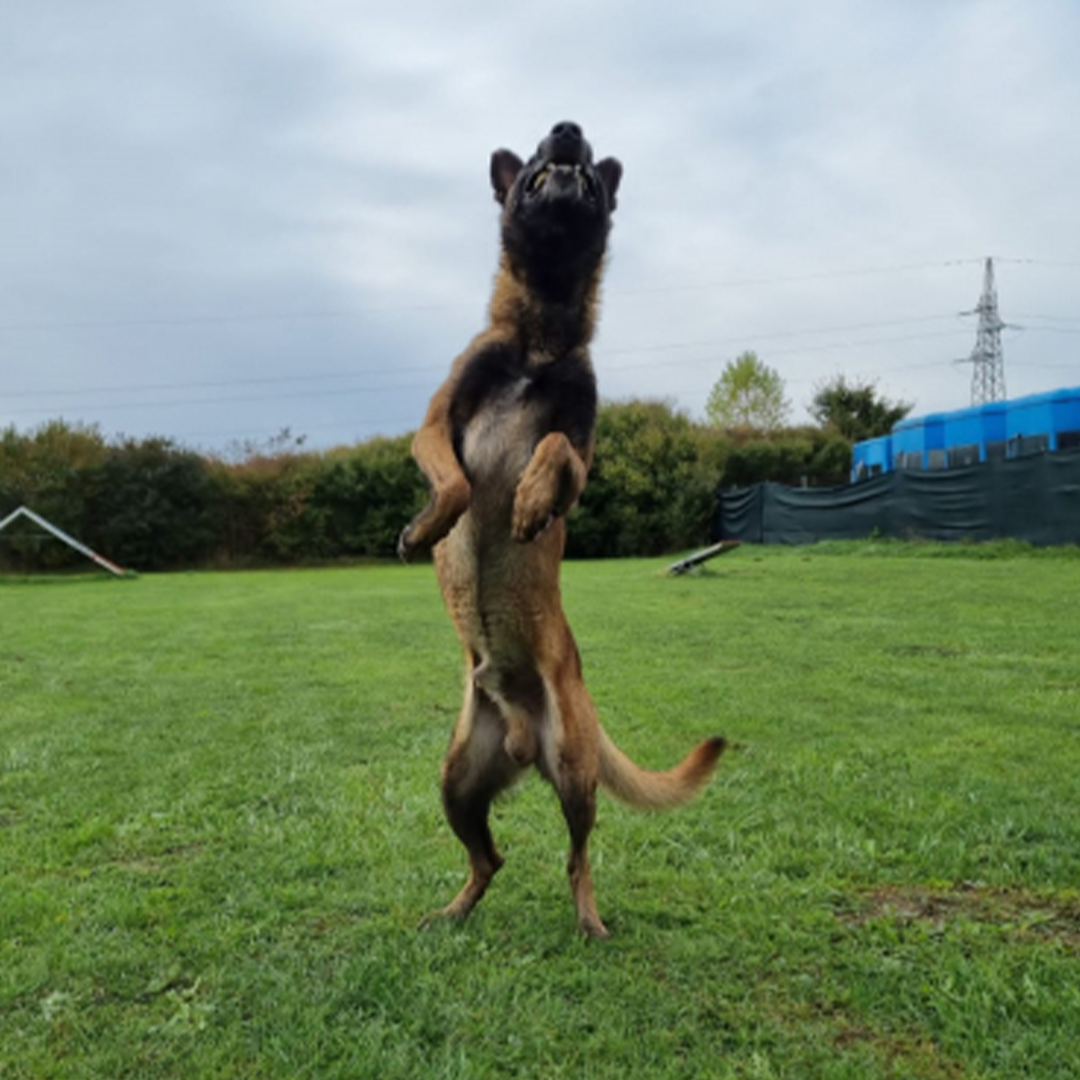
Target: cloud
(222,193)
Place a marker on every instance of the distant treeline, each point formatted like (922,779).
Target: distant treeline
(151,504)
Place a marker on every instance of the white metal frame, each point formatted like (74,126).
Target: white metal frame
(49,527)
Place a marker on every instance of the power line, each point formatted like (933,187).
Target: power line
(83,392)
(348,313)
(827,346)
(824,275)
(217,320)
(1069,264)
(139,388)
(363,390)
(1050,329)
(600,350)
(743,339)
(377,309)
(380,425)
(672,359)
(1041,364)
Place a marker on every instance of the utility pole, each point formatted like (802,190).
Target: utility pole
(987,358)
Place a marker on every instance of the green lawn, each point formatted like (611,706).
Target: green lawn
(220,826)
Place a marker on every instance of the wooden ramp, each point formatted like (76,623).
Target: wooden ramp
(702,556)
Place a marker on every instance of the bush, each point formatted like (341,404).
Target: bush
(293,508)
(369,493)
(651,488)
(796,456)
(47,472)
(150,504)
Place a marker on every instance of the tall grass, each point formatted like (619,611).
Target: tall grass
(220,826)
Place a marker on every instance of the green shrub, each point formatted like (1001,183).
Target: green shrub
(651,488)
(46,471)
(797,456)
(151,504)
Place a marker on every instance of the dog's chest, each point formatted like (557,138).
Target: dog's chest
(503,407)
(499,437)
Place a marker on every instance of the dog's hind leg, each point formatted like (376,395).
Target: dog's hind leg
(570,761)
(476,769)
(578,797)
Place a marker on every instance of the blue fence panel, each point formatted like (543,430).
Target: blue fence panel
(1038,422)
(871,457)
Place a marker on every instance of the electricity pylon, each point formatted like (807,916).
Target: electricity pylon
(987,358)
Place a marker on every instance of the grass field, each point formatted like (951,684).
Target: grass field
(220,826)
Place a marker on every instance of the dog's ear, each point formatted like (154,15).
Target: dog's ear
(505,165)
(610,171)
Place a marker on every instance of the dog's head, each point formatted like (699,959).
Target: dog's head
(556,207)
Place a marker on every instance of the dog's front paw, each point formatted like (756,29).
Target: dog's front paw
(534,505)
(415,539)
(529,521)
(435,520)
(405,547)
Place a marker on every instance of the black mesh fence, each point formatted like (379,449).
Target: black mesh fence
(1034,498)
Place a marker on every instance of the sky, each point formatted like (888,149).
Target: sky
(222,220)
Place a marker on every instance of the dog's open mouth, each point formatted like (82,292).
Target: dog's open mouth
(562,178)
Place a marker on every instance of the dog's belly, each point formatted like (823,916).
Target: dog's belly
(501,594)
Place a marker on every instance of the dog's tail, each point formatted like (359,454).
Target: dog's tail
(657,790)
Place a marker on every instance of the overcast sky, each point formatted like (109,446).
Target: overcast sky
(221,219)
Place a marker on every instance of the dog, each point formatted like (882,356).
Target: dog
(506,447)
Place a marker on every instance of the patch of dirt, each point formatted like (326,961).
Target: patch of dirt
(156,864)
(1029,915)
(906,1055)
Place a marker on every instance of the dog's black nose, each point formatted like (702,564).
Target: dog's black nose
(566,145)
(567,130)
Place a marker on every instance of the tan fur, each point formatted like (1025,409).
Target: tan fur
(501,485)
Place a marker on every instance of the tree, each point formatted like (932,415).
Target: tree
(855,409)
(749,394)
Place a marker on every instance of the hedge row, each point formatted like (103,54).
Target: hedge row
(151,504)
